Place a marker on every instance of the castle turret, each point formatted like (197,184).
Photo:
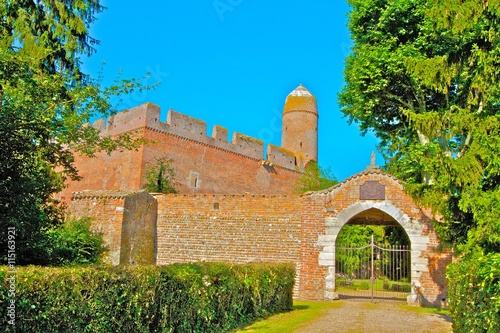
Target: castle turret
(300,124)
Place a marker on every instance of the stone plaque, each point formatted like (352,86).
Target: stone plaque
(372,190)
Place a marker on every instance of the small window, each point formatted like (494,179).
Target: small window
(194,179)
(216,205)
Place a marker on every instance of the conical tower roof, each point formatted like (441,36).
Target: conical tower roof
(300,99)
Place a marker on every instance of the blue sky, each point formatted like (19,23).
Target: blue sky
(233,62)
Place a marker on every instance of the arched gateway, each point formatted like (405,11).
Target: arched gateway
(377,198)
(234,205)
(143,229)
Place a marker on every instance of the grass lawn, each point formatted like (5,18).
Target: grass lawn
(424,310)
(379,285)
(303,312)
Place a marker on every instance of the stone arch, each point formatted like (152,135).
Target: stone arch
(334,224)
(413,229)
(375,196)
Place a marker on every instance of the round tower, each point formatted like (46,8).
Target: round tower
(300,124)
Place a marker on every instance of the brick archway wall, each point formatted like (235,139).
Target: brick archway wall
(415,231)
(326,212)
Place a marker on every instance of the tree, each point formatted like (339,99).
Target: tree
(314,178)
(160,177)
(423,75)
(54,32)
(44,107)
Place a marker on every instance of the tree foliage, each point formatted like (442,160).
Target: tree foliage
(160,177)
(53,32)
(314,178)
(360,235)
(44,108)
(423,75)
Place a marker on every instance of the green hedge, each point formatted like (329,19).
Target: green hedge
(474,294)
(206,297)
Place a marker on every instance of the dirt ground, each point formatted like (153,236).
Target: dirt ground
(380,316)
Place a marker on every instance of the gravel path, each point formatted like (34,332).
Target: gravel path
(381,317)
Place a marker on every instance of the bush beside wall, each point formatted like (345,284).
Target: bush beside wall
(474,294)
(206,297)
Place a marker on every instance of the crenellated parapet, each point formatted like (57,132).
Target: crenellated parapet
(183,126)
(284,157)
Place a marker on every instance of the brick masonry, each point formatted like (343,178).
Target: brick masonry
(343,204)
(235,203)
(127,221)
(202,164)
(228,228)
(243,228)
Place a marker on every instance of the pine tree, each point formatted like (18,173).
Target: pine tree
(45,105)
(423,75)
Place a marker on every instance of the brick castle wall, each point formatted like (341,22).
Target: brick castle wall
(127,221)
(229,228)
(106,212)
(202,164)
(312,284)
(239,228)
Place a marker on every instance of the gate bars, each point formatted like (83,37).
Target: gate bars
(373,271)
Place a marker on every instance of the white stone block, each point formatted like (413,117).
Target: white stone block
(331,295)
(331,221)
(325,240)
(327,255)
(420,267)
(329,249)
(326,262)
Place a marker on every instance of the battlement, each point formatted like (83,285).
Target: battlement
(148,116)
(284,157)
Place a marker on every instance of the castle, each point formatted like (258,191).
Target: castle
(205,164)
(235,204)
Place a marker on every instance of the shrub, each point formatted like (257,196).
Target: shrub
(474,293)
(208,297)
(404,287)
(74,243)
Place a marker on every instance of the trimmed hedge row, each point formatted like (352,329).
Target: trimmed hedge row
(474,294)
(205,297)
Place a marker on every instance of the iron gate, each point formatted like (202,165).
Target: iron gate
(372,271)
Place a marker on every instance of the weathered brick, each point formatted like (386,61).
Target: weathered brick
(214,219)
